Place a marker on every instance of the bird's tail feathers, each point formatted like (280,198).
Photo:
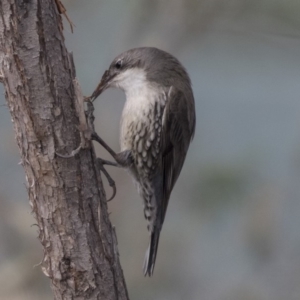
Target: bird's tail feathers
(150,256)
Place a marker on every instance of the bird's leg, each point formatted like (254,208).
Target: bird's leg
(101,162)
(94,136)
(122,159)
(97,138)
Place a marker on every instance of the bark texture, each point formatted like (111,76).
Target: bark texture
(66,194)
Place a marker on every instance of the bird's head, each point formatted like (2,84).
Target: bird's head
(138,66)
(125,71)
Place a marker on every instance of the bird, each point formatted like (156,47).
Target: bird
(157,126)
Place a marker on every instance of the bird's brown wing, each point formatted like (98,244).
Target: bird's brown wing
(177,132)
(178,125)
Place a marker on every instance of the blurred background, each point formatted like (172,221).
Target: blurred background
(232,227)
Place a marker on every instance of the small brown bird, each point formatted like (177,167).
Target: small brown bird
(157,126)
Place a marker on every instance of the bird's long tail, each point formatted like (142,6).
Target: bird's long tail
(150,256)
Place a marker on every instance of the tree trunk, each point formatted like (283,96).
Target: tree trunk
(66,194)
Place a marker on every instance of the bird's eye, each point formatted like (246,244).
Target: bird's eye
(118,64)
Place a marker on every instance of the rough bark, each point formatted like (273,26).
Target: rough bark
(66,194)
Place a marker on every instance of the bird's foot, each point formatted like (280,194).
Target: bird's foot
(89,113)
(100,163)
(86,136)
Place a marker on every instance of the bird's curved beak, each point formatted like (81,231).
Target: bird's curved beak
(103,85)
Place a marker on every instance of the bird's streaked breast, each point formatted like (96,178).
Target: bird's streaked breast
(137,116)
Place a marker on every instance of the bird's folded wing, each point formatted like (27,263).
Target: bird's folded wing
(176,137)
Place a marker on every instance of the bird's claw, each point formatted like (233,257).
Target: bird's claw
(101,162)
(94,136)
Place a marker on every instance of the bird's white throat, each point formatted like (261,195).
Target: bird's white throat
(140,93)
(141,96)
(132,81)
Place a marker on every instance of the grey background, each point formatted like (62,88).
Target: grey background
(232,227)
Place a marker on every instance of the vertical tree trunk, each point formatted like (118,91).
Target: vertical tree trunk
(66,194)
